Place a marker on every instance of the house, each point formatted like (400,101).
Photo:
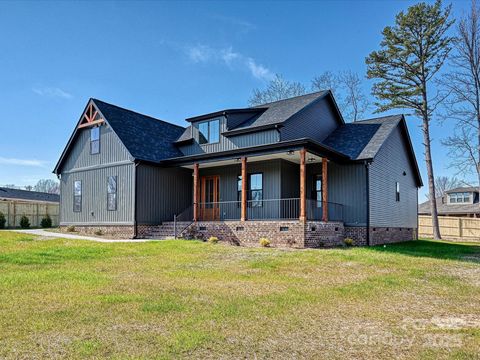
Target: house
(460,202)
(14,203)
(291,170)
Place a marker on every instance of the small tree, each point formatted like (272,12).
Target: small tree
(412,52)
(24,222)
(46,222)
(2,220)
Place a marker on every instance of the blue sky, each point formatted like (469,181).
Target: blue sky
(171,60)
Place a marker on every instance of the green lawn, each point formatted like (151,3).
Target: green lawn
(188,299)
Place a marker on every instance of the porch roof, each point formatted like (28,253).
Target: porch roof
(282,146)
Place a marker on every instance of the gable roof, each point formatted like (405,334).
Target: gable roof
(146,138)
(363,139)
(7,193)
(264,116)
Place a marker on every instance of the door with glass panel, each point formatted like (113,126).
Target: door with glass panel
(209,206)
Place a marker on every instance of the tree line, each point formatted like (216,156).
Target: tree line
(407,74)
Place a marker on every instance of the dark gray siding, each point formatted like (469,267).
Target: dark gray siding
(387,168)
(162,192)
(346,186)
(111,150)
(271,171)
(228,143)
(316,122)
(94,196)
(290,180)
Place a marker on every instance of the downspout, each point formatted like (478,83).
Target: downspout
(367,165)
(135,229)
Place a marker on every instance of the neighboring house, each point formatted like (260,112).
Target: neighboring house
(35,205)
(461,202)
(290,170)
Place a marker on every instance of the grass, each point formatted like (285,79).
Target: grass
(187,299)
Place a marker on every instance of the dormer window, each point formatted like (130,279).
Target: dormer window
(94,140)
(460,197)
(209,132)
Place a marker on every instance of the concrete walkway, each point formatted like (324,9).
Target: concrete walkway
(51,234)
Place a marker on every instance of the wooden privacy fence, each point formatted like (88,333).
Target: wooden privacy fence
(453,228)
(35,211)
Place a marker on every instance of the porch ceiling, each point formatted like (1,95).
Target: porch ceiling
(291,156)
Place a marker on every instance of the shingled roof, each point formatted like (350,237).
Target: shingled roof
(270,114)
(146,138)
(16,194)
(446,209)
(362,139)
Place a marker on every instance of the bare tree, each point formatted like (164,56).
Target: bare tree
(346,86)
(463,104)
(28,187)
(445,183)
(355,102)
(48,186)
(277,89)
(326,81)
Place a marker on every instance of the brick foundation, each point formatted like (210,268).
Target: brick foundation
(280,233)
(108,231)
(379,236)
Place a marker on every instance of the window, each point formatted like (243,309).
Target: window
(397,191)
(209,132)
(77,196)
(112,193)
(94,140)
(318,191)
(239,188)
(460,197)
(255,189)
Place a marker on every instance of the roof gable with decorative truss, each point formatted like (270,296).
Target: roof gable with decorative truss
(91,116)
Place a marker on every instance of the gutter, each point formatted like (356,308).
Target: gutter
(367,174)
(135,185)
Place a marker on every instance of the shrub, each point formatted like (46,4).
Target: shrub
(24,222)
(46,222)
(348,241)
(71,228)
(212,240)
(98,232)
(2,220)
(264,242)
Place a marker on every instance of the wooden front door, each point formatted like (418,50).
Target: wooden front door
(209,206)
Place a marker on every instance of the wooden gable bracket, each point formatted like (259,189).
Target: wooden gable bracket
(91,117)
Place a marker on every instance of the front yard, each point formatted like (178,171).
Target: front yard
(188,299)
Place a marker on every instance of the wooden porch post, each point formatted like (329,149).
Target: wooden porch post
(303,190)
(324,189)
(244,189)
(196,193)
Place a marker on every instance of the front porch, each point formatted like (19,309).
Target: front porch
(292,185)
(282,196)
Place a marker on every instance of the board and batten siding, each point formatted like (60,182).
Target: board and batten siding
(228,143)
(162,193)
(386,169)
(111,150)
(316,121)
(346,186)
(271,171)
(93,170)
(94,196)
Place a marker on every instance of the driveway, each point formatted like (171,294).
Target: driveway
(51,234)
